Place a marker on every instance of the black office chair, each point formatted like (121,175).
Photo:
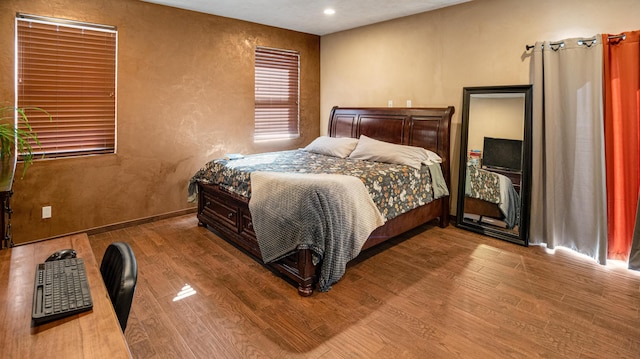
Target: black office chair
(120,274)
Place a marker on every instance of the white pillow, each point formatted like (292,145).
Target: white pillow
(332,146)
(433,158)
(374,150)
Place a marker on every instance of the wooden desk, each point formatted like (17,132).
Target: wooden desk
(93,334)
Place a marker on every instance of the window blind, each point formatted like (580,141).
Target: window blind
(70,72)
(277,74)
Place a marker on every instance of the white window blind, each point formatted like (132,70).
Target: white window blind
(67,69)
(277,83)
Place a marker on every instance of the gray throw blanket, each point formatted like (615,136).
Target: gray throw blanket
(509,203)
(332,215)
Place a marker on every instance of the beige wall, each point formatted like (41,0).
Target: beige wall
(499,117)
(428,58)
(185,95)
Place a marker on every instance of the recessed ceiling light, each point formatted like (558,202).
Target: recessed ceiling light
(329,11)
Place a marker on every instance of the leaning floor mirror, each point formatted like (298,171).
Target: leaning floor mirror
(495,162)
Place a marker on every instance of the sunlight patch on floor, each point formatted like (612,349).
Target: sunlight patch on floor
(186,291)
(612,264)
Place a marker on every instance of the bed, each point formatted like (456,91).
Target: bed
(228,213)
(492,194)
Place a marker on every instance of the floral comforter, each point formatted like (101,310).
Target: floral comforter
(395,189)
(483,184)
(495,188)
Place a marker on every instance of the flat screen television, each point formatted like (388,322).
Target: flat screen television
(500,153)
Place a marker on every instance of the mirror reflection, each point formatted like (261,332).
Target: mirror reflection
(493,163)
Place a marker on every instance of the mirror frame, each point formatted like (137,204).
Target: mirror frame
(522,237)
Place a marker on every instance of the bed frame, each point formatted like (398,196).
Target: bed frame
(229,215)
(482,208)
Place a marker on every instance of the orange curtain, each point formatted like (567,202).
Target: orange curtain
(622,115)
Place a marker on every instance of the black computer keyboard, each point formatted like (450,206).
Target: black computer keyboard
(60,290)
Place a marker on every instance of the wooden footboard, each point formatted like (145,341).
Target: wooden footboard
(229,214)
(482,208)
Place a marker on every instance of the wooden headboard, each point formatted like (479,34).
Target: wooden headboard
(415,126)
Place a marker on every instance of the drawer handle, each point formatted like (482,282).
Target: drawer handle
(207,203)
(250,225)
(230,215)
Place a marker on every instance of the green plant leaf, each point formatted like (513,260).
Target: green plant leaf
(12,137)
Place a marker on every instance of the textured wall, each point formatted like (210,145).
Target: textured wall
(486,112)
(428,58)
(185,95)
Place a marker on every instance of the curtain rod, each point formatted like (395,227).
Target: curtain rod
(561,43)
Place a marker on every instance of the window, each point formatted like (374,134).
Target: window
(276,94)
(69,70)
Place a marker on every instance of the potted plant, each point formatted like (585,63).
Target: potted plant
(15,140)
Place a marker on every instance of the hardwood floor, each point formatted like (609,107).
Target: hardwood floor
(460,295)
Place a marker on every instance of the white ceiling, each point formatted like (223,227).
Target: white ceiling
(307,15)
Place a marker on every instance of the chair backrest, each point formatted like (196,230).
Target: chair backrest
(120,273)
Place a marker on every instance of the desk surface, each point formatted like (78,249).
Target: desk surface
(93,334)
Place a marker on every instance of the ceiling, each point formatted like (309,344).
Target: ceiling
(308,15)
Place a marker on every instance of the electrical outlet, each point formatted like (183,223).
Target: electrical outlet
(46,212)
(408,103)
(390,103)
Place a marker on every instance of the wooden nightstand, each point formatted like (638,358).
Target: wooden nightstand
(7,170)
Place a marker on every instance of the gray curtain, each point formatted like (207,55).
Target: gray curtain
(568,204)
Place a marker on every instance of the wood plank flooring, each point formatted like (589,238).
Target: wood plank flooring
(460,295)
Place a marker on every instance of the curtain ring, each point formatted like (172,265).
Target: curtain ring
(556,46)
(588,42)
